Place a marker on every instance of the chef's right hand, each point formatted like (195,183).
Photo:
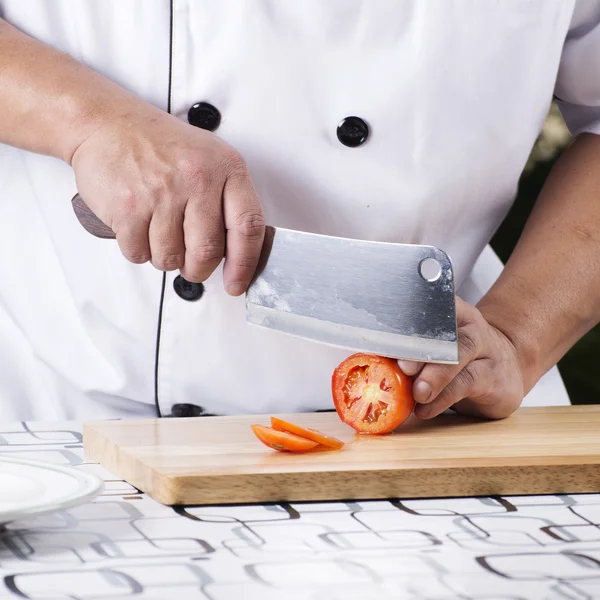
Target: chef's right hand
(175,195)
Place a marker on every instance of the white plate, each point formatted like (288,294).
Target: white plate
(31,487)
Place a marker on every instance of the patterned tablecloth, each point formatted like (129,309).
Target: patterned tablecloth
(126,545)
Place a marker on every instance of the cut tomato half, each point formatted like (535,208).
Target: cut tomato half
(371,393)
(306,432)
(282,440)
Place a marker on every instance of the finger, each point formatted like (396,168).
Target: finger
(132,237)
(245,225)
(473,381)
(410,367)
(166,237)
(204,236)
(435,377)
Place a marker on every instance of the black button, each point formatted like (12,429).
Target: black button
(205,116)
(353,132)
(188,410)
(188,290)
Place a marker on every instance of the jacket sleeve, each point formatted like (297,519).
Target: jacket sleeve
(577,91)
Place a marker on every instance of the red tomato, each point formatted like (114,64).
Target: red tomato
(282,440)
(371,393)
(306,432)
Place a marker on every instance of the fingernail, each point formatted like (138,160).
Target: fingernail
(422,392)
(408,367)
(237,288)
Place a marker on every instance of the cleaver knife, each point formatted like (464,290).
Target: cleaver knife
(394,300)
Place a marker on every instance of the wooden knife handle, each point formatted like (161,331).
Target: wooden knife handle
(89,220)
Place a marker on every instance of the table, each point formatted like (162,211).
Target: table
(126,545)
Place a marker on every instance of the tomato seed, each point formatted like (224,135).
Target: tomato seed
(356,374)
(357,377)
(375,412)
(349,400)
(385,386)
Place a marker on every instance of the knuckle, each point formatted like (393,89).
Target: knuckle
(206,252)
(160,183)
(128,201)
(131,212)
(197,172)
(467,379)
(245,262)
(132,251)
(467,343)
(167,261)
(137,258)
(250,224)
(133,248)
(234,163)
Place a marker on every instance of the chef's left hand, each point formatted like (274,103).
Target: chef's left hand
(487,382)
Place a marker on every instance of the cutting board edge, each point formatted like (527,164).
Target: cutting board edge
(149,480)
(378,485)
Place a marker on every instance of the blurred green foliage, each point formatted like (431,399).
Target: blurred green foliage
(578,367)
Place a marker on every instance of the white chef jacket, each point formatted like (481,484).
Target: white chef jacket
(454,93)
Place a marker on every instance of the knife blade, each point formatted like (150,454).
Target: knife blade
(390,299)
(383,298)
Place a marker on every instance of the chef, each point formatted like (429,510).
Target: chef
(188,124)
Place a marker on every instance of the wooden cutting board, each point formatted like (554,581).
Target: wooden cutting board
(213,460)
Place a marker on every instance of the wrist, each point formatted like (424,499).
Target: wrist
(81,120)
(86,117)
(116,114)
(91,103)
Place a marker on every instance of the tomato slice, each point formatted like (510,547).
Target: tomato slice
(282,440)
(306,432)
(371,393)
